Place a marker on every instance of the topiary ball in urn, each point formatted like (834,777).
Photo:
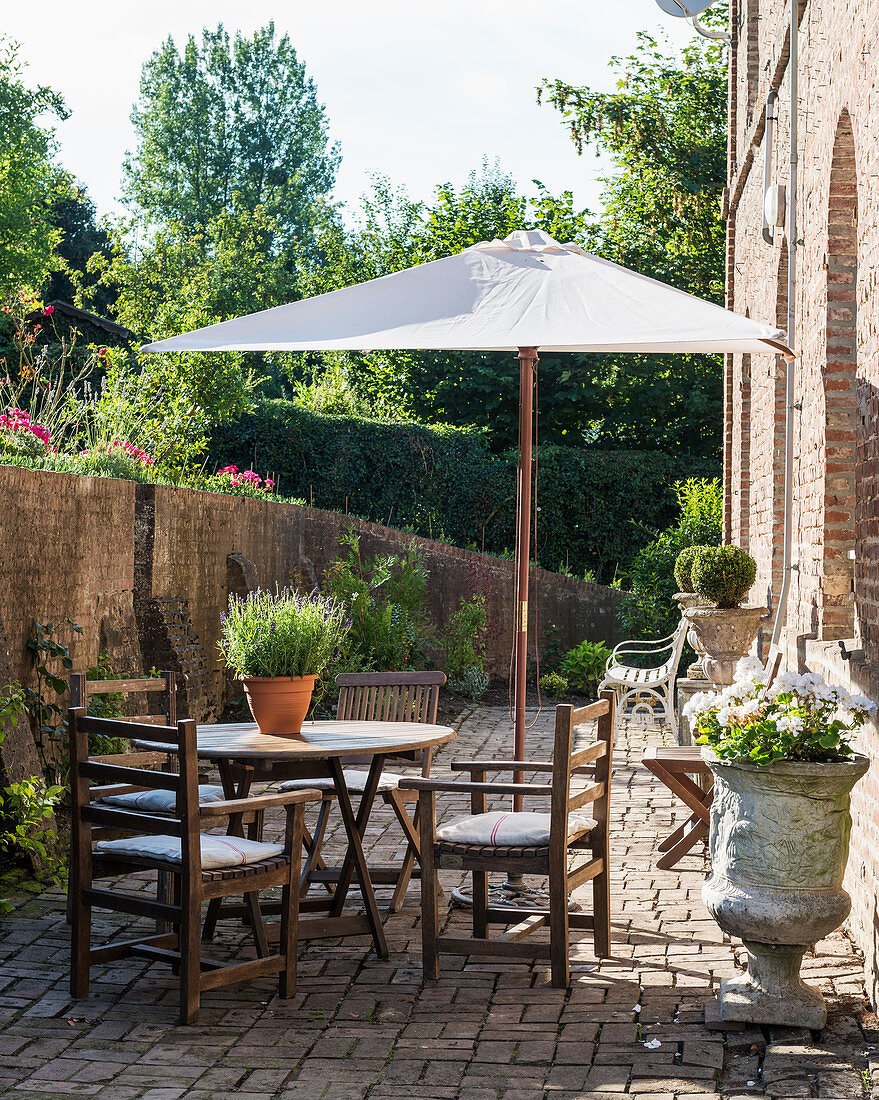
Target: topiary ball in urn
(783,768)
(278,644)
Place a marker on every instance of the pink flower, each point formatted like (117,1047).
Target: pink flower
(48,311)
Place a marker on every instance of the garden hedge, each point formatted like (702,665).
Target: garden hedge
(597,508)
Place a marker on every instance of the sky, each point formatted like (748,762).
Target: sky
(417,92)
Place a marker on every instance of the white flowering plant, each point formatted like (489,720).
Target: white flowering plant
(797,717)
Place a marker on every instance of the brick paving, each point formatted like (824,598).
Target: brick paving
(364,1028)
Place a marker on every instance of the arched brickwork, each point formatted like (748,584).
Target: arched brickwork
(836,614)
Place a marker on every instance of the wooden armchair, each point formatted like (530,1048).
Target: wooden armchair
(525,843)
(379,697)
(202,866)
(152,801)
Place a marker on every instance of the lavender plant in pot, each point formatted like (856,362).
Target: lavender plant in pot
(784,768)
(278,644)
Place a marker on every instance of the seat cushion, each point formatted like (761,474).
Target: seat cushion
(504,830)
(354,777)
(160,802)
(217,852)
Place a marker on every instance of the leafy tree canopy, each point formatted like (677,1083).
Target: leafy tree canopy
(74,214)
(29,180)
(228,124)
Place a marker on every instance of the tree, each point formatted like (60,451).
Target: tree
(665,130)
(228,125)
(74,214)
(29,180)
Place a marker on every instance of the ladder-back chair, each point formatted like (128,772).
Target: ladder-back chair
(161,688)
(202,866)
(379,697)
(526,843)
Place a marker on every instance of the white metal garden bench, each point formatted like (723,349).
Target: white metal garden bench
(643,687)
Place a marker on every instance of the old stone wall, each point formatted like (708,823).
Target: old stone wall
(835,586)
(146,570)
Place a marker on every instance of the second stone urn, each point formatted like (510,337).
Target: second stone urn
(779,846)
(723,636)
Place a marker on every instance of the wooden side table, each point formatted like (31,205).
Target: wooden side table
(673,766)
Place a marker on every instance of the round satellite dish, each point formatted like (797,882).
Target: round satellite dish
(684,8)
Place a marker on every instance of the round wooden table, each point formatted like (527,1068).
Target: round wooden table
(244,755)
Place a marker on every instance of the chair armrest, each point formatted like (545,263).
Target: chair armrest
(474,788)
(501,765)
(258,802)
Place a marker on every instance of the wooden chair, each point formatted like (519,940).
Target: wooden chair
(378,697)
(202,866)
(164,685)
(526,843)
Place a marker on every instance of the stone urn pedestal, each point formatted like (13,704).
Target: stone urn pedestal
(724,636)
(685,600)
(779,846)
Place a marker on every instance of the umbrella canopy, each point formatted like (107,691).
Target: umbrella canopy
(525,291)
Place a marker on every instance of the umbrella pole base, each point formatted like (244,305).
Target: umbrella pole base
(512,894)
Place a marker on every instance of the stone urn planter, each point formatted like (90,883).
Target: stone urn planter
(696,670)
(779,847)
(724,636)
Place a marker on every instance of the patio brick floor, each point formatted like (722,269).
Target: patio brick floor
(365,1028)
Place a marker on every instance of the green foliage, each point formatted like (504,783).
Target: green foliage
(799,718)
(463,644)
(27,805)
(664,128)
(282,633)
(226,125)
(648,609)
(683,570)
(443,482)
(47,717)
(29,181)
(723,574)
(74,214)
(554,684)
(583,666)
(386,600)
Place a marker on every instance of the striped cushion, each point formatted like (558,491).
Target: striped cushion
(506,830)
(160,802)
(217,852)
(354,777)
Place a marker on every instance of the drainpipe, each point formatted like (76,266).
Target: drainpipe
(781,613)
(769,133)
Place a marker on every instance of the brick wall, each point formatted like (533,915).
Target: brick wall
(835,588)
(146,571)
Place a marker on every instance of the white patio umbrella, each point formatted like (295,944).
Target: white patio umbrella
(521,294)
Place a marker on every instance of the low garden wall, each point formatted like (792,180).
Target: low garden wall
(146,570)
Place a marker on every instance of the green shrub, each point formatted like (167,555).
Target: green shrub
(683,570)
(723,574)
(463,644)
(554,684)
(443,482)
(648,610)
(386,600)
(583,666)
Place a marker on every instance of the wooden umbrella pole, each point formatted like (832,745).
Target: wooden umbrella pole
(527,366)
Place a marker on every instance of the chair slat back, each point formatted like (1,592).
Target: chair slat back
(181,740)
(165,684)
(595,800)
(390,697)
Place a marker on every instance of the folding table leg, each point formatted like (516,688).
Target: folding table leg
(355,860)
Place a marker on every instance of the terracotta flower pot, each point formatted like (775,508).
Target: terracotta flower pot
(279,703)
